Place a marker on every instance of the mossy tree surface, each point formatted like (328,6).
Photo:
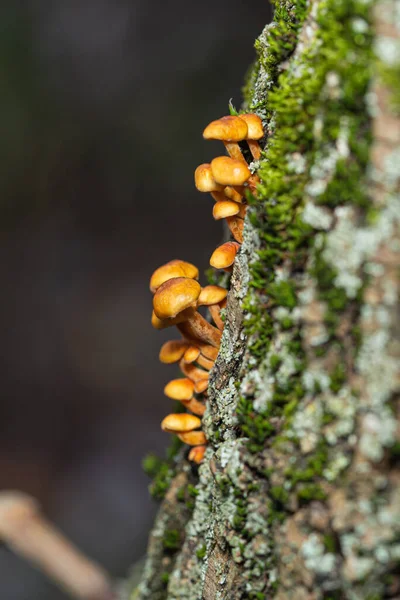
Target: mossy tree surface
(298,496)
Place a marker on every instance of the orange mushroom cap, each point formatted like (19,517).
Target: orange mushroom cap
(225,208)
(172,269)
(204,180)
(201,386)
(196,454)
(224,255)
(179,389)
(191,354)
(228,171)
(212,294)
(174,296)
(193,438)
(228,129)
(172,351)
(180,423)
(254,126)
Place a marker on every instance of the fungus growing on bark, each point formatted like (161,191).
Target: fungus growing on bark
(224,256)
(177,295)
(180,423)
(193,372)
(172,269)
(172,351)
(191,354)
(204,180)
(193,438)
(201,386)
(229,171)
(180,389)
(225,208)
(214,297)
(229,130)
(195,406)
(196,454)
(254,132)
(25,530)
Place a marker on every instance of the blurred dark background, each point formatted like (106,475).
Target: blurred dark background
(102,106)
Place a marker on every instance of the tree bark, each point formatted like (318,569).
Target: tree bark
(298,495)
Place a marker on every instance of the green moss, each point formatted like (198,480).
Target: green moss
(165,578)
(201,552)
(390,76)
(171,540)
(283,294)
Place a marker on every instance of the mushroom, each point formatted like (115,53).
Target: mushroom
(255,132)
(193,438)
(177,295)
(223,257)
(229,130)
(234,173)
(196,454)
(193,372)
(195,406)
(191,354)
(172,351)
(236,226)
(201,386)
(225,208)
(173,268)
(213,296)
(28,533)
(180,389)
(180,423)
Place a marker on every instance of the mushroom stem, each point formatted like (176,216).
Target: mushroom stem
(236,225)
(26,531)
(204,362)
(215,312)
(193,372)
(195,406)
(234,151)
(197,328)
(255,149)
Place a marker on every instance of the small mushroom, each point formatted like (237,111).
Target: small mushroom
(172,269)
(255,132)
(204,180)
(193,438)
(213,296)
(229,172)
(172,351)
(232,194)
(196,454)
(201,386)
(224,256)
(180,318)
(225,208)
(191,354)
(27,532)
(177,295)
(236,226)
(180,389)
(230,131)
(180,423)
(193,372)
(195,406)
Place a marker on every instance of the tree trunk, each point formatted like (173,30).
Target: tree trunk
(298,495)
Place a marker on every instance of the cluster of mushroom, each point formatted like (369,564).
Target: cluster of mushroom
(228,177)
(177,293)
(177,297)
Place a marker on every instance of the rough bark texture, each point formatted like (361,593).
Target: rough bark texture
(298,496)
